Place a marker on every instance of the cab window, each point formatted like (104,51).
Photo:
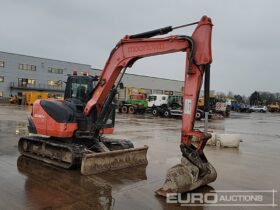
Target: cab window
(152,98)
(79,88)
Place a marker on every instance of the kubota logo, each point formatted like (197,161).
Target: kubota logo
(151,47)
(39,116)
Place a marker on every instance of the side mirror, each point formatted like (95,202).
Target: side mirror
(121,86)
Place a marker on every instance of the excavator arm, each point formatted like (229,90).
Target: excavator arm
(131,48)
(124,55)
(198,58)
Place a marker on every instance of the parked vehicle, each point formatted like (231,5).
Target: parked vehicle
(161,105)
(216,105)
(156,102)
(175,102)
(245,108)
(262,109)
(172,107)
(31,96)
(137,103)
(241,107)
(273,107)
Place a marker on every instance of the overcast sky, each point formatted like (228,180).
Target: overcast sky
(246,35)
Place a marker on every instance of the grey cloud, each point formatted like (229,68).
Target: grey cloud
(245,37)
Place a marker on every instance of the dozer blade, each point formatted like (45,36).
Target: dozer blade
(95,163)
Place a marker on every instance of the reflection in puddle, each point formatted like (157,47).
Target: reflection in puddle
(51,187)
(21,129)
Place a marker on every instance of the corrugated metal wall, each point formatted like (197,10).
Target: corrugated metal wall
(12,73)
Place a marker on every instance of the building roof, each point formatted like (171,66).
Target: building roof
(96,69)
(43,58)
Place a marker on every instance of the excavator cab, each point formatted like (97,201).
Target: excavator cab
(49,116)
(80,87)
(78,91)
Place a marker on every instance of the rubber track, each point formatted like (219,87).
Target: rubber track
(77,151)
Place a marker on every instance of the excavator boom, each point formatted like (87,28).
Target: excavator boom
(134,47)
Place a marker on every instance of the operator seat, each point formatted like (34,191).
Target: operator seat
(81,93)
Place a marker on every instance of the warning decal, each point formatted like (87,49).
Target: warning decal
(188,106)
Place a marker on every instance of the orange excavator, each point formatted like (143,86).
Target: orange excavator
(68,133)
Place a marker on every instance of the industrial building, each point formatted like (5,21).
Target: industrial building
(21,73)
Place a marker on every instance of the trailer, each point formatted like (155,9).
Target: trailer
(168,112)
(137,103)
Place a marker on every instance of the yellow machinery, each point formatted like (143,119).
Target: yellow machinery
(31,97)
(135,91)
(217,105)
(200,103)
(273,107)
(13,100)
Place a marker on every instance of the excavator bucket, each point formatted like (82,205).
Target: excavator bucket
(184,177)
(94,163)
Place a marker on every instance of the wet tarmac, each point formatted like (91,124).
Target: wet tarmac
(29,184)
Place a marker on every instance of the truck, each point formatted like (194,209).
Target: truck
(137,103)
(156,102)
(169,106)
(173,107)
(217,105)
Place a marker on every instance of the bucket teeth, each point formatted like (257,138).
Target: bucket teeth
(95,163)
